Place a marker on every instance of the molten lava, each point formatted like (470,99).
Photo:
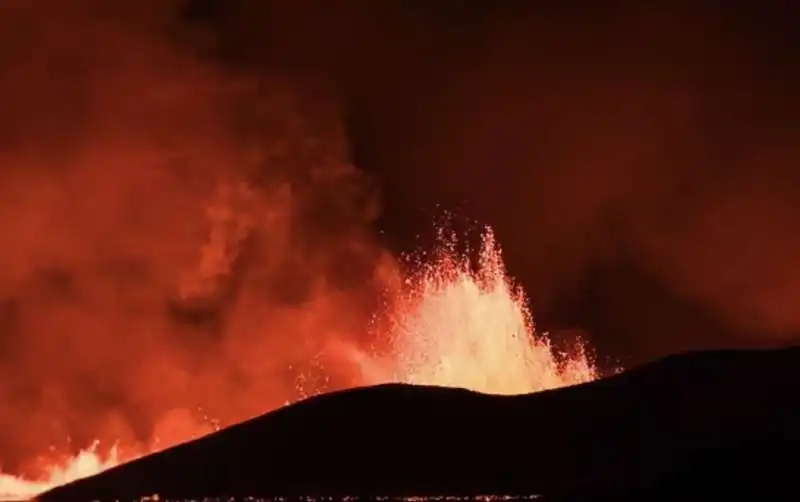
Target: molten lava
(453,326)
(463,328)
(87,463)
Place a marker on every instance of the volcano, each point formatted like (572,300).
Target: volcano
(702,416)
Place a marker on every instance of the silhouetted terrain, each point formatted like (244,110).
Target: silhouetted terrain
(748,469)
(699,421)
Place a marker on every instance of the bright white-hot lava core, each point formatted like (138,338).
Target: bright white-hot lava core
(455,325)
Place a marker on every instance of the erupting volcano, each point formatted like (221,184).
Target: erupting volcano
(454,325)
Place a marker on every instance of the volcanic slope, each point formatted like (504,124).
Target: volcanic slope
(759,469)
(401,439)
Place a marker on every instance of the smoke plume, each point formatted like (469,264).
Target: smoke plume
(173,233)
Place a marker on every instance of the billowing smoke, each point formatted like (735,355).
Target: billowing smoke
(173,233)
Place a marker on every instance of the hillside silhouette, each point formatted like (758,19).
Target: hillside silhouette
(712,419)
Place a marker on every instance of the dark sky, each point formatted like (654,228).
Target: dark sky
(637,161)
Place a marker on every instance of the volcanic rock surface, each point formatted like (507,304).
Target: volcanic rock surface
(699,419)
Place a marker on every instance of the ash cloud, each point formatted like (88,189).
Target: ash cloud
(174,234)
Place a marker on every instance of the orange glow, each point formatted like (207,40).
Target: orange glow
(473,329)
(87,463)
(452,326)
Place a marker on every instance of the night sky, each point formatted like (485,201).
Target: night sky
(638,162)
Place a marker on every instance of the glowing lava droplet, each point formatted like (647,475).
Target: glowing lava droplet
(468,328)
(454,326)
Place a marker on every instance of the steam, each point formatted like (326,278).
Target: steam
(165,224)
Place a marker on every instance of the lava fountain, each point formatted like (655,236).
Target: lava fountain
(454,325)
(459,327)
(86,463)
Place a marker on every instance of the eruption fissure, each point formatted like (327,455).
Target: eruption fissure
(450,326)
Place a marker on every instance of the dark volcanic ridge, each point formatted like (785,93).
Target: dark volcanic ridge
(630,433)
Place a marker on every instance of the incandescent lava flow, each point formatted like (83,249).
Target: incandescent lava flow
(453,325)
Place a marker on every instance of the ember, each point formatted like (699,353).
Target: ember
(454,326)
